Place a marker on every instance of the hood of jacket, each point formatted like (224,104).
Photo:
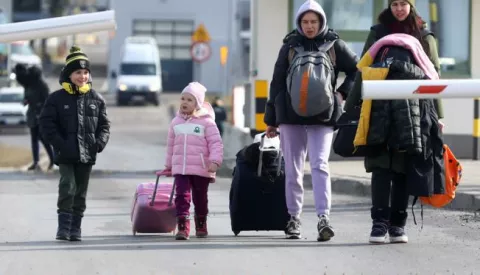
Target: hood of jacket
(402,40)
(35,72)
(370,72)
(311,5)
(205,111)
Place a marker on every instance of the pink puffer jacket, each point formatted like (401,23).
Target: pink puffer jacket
(194,143)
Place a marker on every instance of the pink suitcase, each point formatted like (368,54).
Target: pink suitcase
(153,210)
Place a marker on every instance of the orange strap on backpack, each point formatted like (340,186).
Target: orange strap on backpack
(453,175)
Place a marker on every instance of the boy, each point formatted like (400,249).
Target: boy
(74,120)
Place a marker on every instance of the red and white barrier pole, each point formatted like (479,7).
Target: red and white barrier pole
(409,89)
(58,26)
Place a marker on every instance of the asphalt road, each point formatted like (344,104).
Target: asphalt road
(449,243)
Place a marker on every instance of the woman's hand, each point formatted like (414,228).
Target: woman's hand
(441,125)
(271,131)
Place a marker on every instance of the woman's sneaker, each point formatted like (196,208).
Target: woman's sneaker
(325,231)
(397,234)
(292,231)
(379,232)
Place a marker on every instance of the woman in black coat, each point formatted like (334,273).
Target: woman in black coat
(36,92)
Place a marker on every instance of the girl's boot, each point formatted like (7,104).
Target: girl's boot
(183,228)
(201,226)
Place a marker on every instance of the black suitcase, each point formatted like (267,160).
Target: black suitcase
(257,203)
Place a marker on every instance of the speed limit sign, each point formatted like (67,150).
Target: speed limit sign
(200,51)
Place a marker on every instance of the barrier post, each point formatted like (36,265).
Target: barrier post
(476,128)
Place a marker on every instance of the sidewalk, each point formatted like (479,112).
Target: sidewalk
(349,177)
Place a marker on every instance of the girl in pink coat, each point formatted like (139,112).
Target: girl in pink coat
(194,153)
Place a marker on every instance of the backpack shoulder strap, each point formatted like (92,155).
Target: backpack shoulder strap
(329,48)
(333,56)
(292,51)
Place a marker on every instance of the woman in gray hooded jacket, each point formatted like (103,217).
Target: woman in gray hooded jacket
(313,134)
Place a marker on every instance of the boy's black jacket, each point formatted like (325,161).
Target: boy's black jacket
(76,124)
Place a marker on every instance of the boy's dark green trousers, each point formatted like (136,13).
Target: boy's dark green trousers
(72,189)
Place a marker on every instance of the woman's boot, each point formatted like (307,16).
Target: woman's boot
(380,220)
(396,230)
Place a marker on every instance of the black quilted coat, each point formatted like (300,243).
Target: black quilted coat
(76,124)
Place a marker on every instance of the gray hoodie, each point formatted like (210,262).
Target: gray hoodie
(278,109)
(311,5)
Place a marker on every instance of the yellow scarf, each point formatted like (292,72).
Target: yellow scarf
(69,87)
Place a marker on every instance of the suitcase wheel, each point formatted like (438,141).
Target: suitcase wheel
(236,233)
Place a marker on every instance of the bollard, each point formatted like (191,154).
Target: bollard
(476,129)
(261,96)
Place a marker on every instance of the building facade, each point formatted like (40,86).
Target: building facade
(452,22)
(172,23)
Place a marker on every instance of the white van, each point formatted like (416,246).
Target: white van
(140,72)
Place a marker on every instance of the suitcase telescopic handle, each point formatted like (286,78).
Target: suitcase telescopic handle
(159,174)
(260,161)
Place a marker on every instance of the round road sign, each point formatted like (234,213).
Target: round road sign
(200,51)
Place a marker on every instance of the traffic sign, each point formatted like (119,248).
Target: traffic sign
(200,51)
(201,34)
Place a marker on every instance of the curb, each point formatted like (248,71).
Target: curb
(361,187)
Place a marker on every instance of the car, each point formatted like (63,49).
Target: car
(13,113)
(140,76)
(22,52)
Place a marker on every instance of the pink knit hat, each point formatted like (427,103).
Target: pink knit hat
(198,91)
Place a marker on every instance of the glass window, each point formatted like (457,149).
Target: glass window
(166,52)
(163,26)
(142,26)
(22,49)
(183,40)
(184,27)
(355,15)
(453,35)
(357,47)
(182,53)
(11,97)
(3,18)
(137,69)
(164,39)
(27,5)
